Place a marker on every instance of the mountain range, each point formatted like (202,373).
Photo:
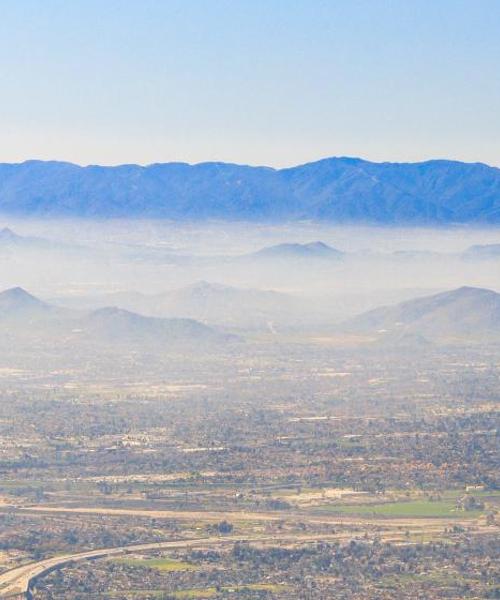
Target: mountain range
(466,313)
(334,189)
(213,304)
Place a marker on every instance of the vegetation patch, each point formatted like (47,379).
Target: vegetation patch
(161,564)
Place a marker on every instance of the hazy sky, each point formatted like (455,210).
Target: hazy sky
(275,82)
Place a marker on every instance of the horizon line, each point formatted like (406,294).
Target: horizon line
(249,165)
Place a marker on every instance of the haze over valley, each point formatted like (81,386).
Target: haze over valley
(194,392)
(182,402)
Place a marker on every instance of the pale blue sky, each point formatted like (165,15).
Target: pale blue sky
(275,82)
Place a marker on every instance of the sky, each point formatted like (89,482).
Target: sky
(274,82)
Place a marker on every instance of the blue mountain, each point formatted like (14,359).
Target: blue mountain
(298,251)
(333,189)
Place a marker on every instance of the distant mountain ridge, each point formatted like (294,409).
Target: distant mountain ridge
(483,251)
(11,238)
(334,189)
(210,303)
(298,251)
(22,313)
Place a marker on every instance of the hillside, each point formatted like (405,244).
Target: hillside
(467,312)
(118,325)
(336,189)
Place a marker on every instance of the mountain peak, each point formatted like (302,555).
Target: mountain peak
(17,299)
(316,249)
(7,235)
(468,289)
(16,292)
(205,286)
